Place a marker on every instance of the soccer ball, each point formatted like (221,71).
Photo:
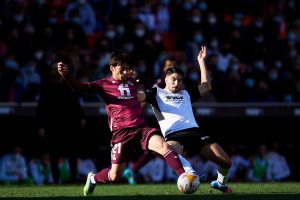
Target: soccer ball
(188,183)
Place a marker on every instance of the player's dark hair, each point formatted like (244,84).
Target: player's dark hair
(174,70)
(119,58)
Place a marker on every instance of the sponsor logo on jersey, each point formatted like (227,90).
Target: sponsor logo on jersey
(177,99)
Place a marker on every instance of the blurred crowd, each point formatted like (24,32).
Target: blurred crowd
(253,45)
(262,165)
(16,168)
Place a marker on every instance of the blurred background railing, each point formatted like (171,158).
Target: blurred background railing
(207,109)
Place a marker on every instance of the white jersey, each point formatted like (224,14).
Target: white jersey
(172,110)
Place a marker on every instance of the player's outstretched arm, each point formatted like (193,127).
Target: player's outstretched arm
(205,86)
(74,84)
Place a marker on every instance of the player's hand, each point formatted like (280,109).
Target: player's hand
(62,69)
(131,74)
(202,54)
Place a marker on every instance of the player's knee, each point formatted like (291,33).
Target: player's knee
(165,147)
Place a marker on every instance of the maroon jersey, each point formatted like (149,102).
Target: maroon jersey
(120,98)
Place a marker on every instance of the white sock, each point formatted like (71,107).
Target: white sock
(186,165)
(93,179)
(222,175)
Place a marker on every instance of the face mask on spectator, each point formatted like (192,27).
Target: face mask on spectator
(193,76)
(110,34)
(123,3)
(196,19)
(187,5)
(198,38)
(38,55)
(120,29)
(212,20)
(30,69)
(18,18)
(214,43)
(291,38)
(128,46)
(278,64)
(249,83)
(82,1)
(293,53)
(259,23)
(11,64)
(259,39)
(139,32)
(202,6)
(277,19)
(235,67)
(40,1)
(165,2)
(52,20)
(273,76)
(259,65)
(157,38)
(288,98)
(142,69)
(236,23)
(76,20)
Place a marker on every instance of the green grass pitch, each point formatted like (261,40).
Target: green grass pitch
(245,191)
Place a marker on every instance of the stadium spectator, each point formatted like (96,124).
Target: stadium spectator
(82,13)
(41,170)
(13,168)
(125,119)
(154,170)
(198,164)
(278,168)
(64,170)
(84,166)
(240,166)
(259,165)
(209,170)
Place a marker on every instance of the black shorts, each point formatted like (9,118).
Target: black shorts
(191,139)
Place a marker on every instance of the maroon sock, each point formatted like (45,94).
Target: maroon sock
(145,158)
(173,161)
(102,176)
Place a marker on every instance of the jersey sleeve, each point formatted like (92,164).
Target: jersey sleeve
(194,93)
(151,95)
(82,87)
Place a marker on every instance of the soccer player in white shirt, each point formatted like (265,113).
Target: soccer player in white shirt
(172,106)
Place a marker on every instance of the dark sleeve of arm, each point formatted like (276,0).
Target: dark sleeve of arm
(81,87)
(194,93)
(151,95)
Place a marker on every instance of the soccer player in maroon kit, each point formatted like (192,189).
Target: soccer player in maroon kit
(125,119)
